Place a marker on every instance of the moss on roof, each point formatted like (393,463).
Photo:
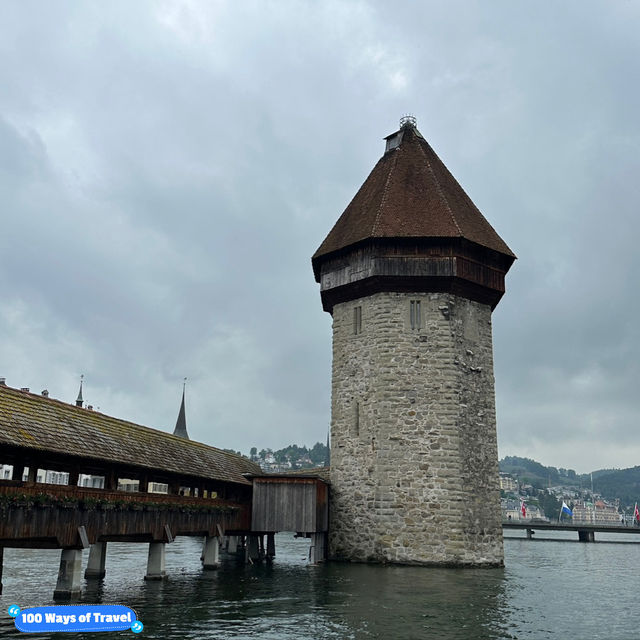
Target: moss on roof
(39,423)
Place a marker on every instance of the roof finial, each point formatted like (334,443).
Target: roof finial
(408,121)
(79,400)
(181,422)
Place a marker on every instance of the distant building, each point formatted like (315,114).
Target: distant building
(599,512)
(512,510)
(508,483)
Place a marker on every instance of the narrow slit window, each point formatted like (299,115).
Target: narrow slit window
(356,420)
(357,320)
(415,315)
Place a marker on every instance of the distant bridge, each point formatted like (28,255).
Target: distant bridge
(586,532)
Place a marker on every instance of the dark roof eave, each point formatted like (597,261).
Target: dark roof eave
(319,258)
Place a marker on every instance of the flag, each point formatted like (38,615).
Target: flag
(565,509)
(636,513)
(523,508)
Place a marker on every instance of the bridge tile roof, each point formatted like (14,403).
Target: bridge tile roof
(48,425)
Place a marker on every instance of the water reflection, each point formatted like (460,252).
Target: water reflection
(415,602)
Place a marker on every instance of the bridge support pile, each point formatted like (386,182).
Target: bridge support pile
(156,562)
(96,563)
(69,583)
(211,553)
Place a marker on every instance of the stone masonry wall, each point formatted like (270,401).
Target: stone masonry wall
(414,461)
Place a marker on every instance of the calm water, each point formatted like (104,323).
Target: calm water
(555,589)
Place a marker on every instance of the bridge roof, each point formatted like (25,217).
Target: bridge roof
(47,425)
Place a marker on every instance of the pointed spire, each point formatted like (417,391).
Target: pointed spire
(328,463)
(79,400)
(181,422)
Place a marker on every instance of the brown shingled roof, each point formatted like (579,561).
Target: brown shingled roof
(411,194)
(44,424)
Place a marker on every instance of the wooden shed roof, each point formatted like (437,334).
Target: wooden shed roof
(43,424)
(410,194)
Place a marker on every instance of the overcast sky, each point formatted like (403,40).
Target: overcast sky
(167,169)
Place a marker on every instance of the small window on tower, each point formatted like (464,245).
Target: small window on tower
(357,320)
(356,420)
(414,315)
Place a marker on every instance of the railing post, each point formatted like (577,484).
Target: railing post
(18,470)
(111,481)
(73,478)
(33,473)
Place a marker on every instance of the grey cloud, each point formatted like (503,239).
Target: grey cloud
(168,169)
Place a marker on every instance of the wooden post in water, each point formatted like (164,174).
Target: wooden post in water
(232,544)
(69,575)
(96,564)
(252,551)
(211,553)
(156,562)
(271,546)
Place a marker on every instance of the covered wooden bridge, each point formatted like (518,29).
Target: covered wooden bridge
(203,491)
(175,486)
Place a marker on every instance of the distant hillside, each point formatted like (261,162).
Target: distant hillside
(534,473)
(619,483)
(622,484)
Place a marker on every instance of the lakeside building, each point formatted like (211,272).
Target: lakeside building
(598,512)
(512,510)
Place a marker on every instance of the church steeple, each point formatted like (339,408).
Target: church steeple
(181,422)
(79,400)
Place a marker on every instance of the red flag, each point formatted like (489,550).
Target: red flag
(636,513)
(523,508)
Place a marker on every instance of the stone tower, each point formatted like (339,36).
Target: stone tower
(411,272)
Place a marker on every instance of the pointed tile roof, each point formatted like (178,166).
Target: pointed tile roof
(410,194)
